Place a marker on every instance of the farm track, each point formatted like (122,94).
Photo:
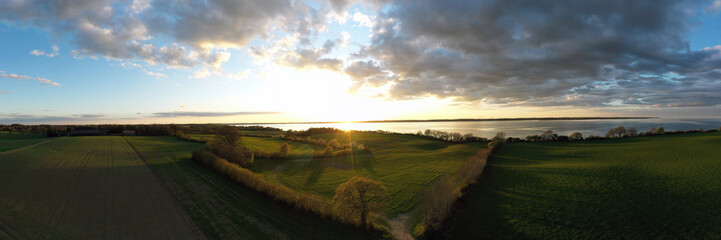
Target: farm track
(86,188)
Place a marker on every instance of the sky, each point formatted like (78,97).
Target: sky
(251,61)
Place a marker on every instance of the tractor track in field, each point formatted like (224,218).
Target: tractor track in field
(198,233)
(29,146)
(230,192)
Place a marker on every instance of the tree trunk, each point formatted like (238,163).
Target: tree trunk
(363,220)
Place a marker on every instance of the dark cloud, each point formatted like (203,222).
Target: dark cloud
(34,119)
(545,53)
(207,114)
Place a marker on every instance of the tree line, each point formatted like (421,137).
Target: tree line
(358,201)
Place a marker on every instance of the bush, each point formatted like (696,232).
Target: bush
(335,144)
(492,145)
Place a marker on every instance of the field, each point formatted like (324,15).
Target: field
(224,209)
(18,140)
(405,164)
(660,187)
(86,188)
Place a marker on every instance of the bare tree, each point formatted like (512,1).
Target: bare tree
(547,135)
(500,137)
(632,132)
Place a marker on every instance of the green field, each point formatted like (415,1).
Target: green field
(405,164)
(18,140)
(266,144)
(225,209)
(660,187)
(85,188)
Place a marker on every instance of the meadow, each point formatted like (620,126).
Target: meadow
(405,164)
(18,140)
(224,209)
(85,188)
(659,187)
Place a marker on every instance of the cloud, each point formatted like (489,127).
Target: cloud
(362,19)
(34,119)
(714,7)
(312,58)
(43,81)
(43,53)
(564,53)
(5,92)
(155,74)
(89,115)
(207,114)
(196,32)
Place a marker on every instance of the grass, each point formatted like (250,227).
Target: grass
(85,188)
(266,144)
(18,140)
(661,187)
(404,164)
(224,209)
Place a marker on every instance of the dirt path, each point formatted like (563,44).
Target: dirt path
(399,229)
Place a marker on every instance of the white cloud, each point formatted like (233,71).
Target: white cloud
(155,74)
(201,73)
(43,81)
(362,19)
(54,53)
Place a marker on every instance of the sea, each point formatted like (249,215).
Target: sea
(519,128)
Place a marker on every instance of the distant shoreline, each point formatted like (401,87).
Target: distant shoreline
(457,120)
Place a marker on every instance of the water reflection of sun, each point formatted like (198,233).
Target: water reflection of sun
(346,126)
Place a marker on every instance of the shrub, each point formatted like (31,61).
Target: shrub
(492,145)
(335,144)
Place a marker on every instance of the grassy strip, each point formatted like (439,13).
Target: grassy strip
(281,193)
(427,219)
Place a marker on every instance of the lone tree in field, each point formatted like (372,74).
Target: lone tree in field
(228,135)
(359,196)
(284,150)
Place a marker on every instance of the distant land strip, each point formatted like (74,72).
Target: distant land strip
(462,120)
